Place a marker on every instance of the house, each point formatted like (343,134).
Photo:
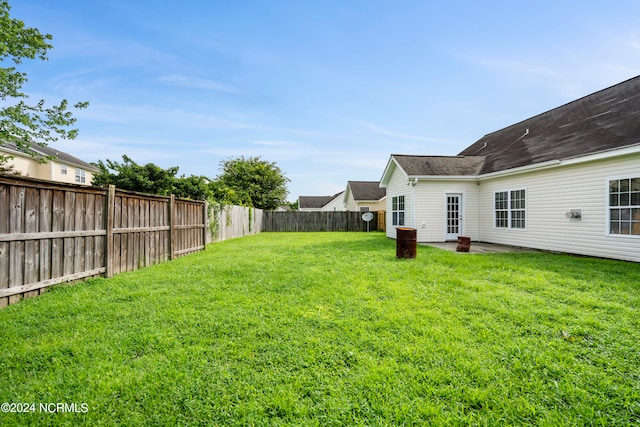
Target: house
(62,168)
(566,180)
(364,196)
(321,203)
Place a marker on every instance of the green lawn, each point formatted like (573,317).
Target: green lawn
(330,329)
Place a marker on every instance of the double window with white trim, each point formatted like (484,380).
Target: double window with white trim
(624,206)
(510,209)
(397,210)
(80,176)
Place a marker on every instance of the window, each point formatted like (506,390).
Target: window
(80,176)
(510,209)
(624,206)
(502,209)
(364,208)
(63,169)
(397,210)
(517,209)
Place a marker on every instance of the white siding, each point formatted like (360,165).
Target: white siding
(397,186)
(373,205)
(431,209)
(336,204)
(29,167)
(430,212)
(350,204)
(553,192)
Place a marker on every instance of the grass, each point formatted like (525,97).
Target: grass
(330,329)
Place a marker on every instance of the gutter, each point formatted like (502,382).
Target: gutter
(601,155)
(521,169)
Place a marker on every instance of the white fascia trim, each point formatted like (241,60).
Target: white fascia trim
(388,171)
(609,154)
(442,178)
(371,201)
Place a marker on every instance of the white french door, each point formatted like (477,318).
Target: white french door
(453,223)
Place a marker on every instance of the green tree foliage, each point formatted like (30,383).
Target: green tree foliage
(20,122)
(244,182)
(225,195)
(193,187)
(129,175)
(258,181)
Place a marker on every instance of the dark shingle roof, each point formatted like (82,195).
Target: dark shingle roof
(366,190)
(439,165)
(605,120)
(315,202)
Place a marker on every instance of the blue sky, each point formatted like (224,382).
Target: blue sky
(327,89)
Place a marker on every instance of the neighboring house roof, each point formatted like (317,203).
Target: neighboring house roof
(315,202)
(366,190)
(605,120)
(60,156)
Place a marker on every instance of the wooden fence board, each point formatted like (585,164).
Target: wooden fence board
(31,247)
(16,249)
(57,244)
(53,233)
(45,215)
(4,246)
(302,221)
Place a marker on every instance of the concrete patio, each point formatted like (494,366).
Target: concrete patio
(478,247)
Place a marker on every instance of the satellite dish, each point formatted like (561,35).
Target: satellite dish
(367,216)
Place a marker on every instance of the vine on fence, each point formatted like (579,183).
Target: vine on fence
(214,210)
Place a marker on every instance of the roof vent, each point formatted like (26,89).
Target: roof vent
(526,132)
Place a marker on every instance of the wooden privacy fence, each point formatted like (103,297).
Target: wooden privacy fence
(316,221)
(230,222)
(52,233)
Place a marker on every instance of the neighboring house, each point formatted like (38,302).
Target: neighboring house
(321,203)
(364,196)
(63,168)
(566,180)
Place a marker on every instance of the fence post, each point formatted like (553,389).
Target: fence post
(171,225)
(205,222)
(108,253)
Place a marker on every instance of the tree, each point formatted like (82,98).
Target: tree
(151,178)
(195,187)
(260,182)
(21,123)
(129,175)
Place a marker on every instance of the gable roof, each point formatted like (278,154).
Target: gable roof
(60,156)
(605,120)
(439,165)
(315,202)
(431,166)
(366,190)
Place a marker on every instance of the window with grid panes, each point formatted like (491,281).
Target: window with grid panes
(397,210)
(624,206)
(510,209)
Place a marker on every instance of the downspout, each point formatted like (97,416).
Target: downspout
(479,211)
(413,202)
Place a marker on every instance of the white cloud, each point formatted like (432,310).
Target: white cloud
(272,143)
(382,131)
(197,83)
